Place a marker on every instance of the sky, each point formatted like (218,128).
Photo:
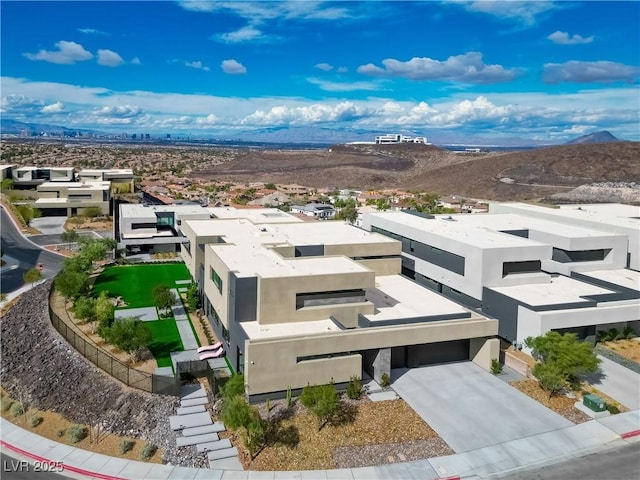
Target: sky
(540,70)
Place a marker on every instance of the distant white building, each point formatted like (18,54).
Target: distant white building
(317,210)
(398,138)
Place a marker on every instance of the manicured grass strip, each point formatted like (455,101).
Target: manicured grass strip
(135,283)
(166,339)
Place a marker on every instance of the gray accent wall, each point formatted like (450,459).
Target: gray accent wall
(505,309)
(309,250)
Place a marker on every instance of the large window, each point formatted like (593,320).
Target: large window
(510,268)
(570,256)
(336,297)
(217,281)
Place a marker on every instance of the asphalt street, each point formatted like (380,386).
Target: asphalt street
(14,469)
(26,253)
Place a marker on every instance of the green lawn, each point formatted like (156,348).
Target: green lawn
(166,339)
(135,283)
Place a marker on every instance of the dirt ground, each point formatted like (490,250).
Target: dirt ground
(626,348)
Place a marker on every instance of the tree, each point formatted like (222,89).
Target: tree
(550,377)
(349,211)
(71,283)
(93,250)
(28,213)
(32,276)
(7,184)
(104,312)
(270,186)
(69,236)
(163,297)
(322,401)
(193,296)
(238,414)
(569,357)
(91,212)
(84,308)
(130,335)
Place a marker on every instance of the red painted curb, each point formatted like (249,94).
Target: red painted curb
(449,478)
(633,433)
(65,467)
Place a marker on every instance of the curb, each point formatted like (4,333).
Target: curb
(633,433)
(53,464)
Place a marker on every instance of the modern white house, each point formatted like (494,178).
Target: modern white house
(31,177)
(532,274)
(298,303)
(121,178)
(70,198)
(392,138)
(321,211)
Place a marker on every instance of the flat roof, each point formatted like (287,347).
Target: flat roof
(623,277)
(255,215)
(109,170)
(137,210)
(397,297)
(559,290)
(249,261)
(77,185)
(254,330)
(511,221)
(448,227)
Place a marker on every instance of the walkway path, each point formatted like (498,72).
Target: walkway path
(537,450)
(620,383)
(187,336)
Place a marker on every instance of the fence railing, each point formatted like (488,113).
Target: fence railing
(132,377)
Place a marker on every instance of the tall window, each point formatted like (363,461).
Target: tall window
(217,281)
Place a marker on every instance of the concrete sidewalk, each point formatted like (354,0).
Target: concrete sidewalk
(620,383)
(521,454)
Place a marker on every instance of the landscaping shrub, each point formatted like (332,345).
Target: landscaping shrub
(126,446)
(322,401)
(5,404)
(16,409)
(60,432)
(628,333)
(354,388)
(148,451)
(77,433)
(233,387)
(496,367)
(613,409)
(35,421)
(385,381)
(288,399)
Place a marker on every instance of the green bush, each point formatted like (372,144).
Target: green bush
(5,404)
(496,368)
(233,387)
(354,388)
(77,433)
(385,381)
(613,409)
(60,432)
(16,409)
(148,451)
(126,446)
(35,421)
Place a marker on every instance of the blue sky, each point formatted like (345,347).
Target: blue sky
(543,70)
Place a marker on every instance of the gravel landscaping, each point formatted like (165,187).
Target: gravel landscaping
(38,362)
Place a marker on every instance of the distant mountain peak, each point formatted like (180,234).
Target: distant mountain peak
(596,137)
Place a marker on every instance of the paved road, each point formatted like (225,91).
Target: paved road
(470,408)
(14,469)
(28,255)
(54,239)
(619,464)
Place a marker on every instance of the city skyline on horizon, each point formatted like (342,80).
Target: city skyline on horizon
(433,68)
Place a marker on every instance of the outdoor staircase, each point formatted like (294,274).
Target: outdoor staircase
(198,429)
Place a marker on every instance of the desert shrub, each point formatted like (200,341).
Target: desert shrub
(354,388)
(126,446)
(148,451)
(77,433)
(385,381)
(5,404)
(35,421)
(613,409)
(628,332)
(60,432)
(16,409)
(288,400)
(234,386)
(496,368)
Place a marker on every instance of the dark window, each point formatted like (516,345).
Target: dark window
(570,256)
(322,356)
(225,334)
(137,226)
(509,268)
(217,281)
(336,297)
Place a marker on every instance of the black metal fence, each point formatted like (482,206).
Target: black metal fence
(148,382)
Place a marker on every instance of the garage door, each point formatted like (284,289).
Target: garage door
(412,356)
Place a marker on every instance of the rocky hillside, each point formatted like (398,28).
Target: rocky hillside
(597,137)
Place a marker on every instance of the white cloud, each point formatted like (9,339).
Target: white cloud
(314,113)
(119,111)
(233,67)
(244,34)
(197,64)
(67,53)
(53,108)
(136,61)
(563,38)
(590,72)
(257,12)
(342,70)
(92,31)
(468,68)
(109,58)
(325,67)
(525,12)
(330,86)
(210,119)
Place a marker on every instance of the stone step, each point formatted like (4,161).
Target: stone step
(207,447)
(219,445)
(222,453)
(192,402)
(230,463)
(194,439)
(190,410)
(188,392)
(215,428)
(179,422)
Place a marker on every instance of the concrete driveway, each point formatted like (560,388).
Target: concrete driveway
(49,225)
(620,383)
(471,408)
